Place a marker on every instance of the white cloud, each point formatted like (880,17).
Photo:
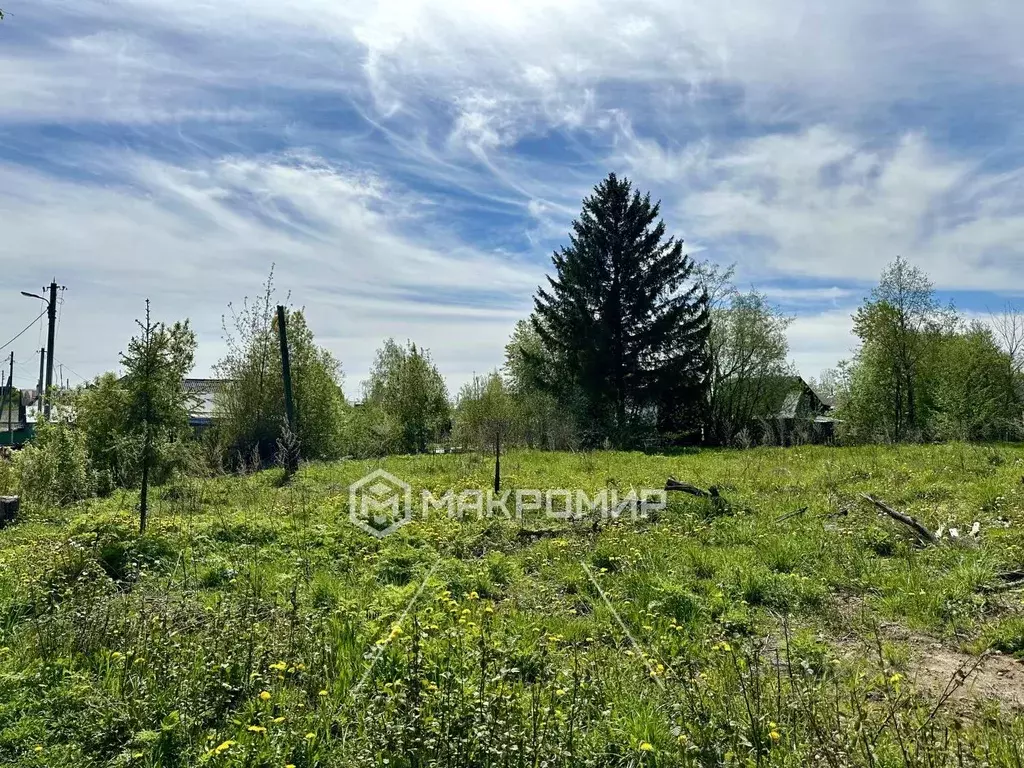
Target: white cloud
(821,204)
(819,341)
(447,90)
(195,238)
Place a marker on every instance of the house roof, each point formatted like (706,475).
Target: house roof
(203,391)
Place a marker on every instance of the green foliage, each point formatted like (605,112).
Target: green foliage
(9,481)
(971,397)
(156,403)
(750,374)
(101,415)
(921,373)
(251,408)
(621,322)
(370,431)
(486,414)
(406,387)
(545,420)
(54,466)
(254,626)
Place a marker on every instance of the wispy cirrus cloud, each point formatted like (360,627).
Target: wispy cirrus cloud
(410,164)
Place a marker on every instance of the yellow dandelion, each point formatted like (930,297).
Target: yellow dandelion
(256,729)
(278,720)
(774,735)
(646,746)
(265,696)
(323,692)
(38,748)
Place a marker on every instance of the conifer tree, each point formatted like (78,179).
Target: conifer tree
(623,321)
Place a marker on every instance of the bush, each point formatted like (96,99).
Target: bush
(370,432)
(55,466)
(8,473)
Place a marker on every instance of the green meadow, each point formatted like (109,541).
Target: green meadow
(787,622)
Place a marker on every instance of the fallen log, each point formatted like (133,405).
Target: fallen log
(677,485)
(923,534)
(790,515)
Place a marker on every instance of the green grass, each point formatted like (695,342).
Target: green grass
(254,625)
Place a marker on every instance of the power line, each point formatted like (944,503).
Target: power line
(23,330)
(70,369)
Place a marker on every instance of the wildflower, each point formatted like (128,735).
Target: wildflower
(646,746)
(323,692)
(489,609)
(560,692)
(265,696)
(224,746)
(279,666)
(290,765)
(682,738)
(473,596)
(310,736)
(774,735)
(256,729)
(39,748)
(278,720)
(895,678)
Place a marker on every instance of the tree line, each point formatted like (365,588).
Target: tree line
(631,344)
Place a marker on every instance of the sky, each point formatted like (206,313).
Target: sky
(408,166)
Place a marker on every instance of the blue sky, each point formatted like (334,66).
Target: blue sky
(409,165)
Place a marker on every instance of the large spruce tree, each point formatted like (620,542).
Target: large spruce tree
(624,327)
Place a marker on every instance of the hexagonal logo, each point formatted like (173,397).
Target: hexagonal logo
(380,503)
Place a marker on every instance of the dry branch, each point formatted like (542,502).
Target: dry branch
(790,515)
(677,485)
(923,534)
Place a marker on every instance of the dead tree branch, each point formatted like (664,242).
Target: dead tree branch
(923,534)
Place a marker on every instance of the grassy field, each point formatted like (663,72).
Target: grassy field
(254,625)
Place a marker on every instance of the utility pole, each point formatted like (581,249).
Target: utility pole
(10,402)
(290,446)
(286,369)
(51,315)
(39,386)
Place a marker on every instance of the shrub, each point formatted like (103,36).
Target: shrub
(55,466)
(8,473)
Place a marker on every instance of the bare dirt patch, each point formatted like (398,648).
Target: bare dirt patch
(934,668)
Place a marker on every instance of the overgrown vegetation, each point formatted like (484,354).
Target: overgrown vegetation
(251,407)
(923,372)
(253,625)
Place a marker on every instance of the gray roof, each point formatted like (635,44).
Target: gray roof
(203,391)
